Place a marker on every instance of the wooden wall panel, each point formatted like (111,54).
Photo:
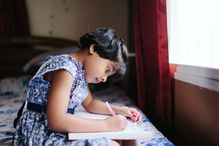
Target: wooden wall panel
(196,114)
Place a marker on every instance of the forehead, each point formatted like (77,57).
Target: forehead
(116,65)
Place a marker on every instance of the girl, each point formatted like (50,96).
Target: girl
(61,84)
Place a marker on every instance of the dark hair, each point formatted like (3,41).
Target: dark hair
(109,46)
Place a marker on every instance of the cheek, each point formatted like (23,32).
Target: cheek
(91,72)
(94,70)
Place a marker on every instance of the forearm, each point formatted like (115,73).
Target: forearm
(96,106)
(99,107)
(70,123)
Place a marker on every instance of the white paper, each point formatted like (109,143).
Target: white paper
(133,131)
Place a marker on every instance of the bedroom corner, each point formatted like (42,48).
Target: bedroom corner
(32,30)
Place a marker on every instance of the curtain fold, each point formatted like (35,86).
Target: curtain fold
(13,18)
(153,74)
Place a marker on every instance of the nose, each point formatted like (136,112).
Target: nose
(104,78)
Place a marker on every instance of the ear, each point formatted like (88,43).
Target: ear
(92,49)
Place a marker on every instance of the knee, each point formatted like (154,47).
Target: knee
(114,143)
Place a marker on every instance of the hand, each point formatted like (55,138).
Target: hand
(132,113)
(116,123)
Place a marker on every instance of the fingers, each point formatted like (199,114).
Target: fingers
(139,119)
(130,115)
(135,115)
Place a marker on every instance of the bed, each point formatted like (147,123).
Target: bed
(12,95)
(13,86)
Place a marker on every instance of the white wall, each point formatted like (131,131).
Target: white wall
(70,18)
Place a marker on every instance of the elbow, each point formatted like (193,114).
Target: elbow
(53,125)
(89,109)
(56,124)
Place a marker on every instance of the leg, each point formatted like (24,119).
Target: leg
(114,143)
(129,143)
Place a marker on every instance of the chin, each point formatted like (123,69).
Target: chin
(89,81)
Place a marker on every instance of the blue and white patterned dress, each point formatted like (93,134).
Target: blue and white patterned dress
(32,127)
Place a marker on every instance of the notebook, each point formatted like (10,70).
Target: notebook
(133,131)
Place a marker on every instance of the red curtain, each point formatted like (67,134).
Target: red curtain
(153,74)
(13,18)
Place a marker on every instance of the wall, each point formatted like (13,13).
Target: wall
(70,18)
(196,111)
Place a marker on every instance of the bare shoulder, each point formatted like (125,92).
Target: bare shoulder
(61,78)
(61,83)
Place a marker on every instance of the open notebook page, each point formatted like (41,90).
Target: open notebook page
(132,131)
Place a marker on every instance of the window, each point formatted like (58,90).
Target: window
(193,37)
(193,32)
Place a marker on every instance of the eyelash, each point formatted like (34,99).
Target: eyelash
(107,70)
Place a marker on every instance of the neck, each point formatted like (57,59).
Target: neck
(80,56)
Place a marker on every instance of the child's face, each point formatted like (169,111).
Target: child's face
(98,69)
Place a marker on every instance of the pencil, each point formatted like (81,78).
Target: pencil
(110,109)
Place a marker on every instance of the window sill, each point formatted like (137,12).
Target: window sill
(200,76)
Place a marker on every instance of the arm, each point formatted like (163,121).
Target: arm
(61,121)
(96,106)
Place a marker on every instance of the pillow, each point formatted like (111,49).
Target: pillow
(37,60)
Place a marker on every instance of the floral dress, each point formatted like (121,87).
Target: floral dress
(32,127)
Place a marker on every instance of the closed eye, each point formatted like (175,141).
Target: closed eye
(108,69)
